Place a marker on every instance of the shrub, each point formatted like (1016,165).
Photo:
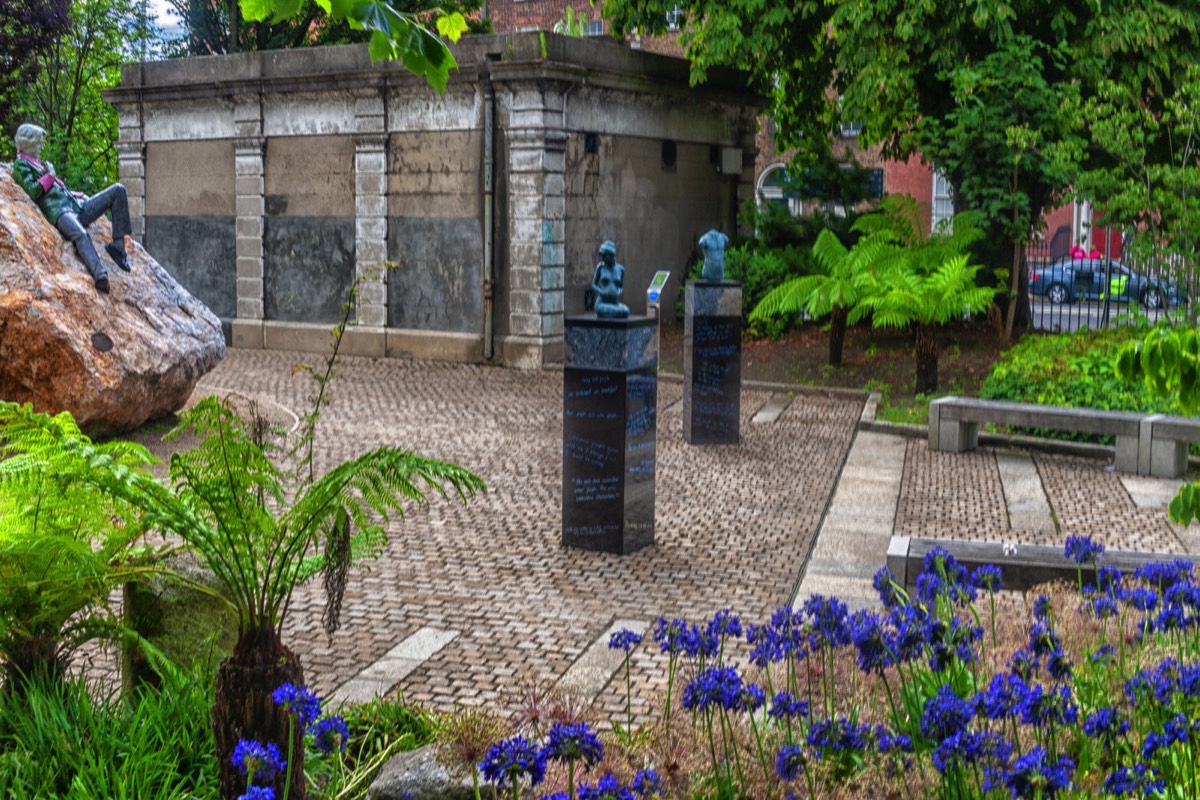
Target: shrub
(759,270)
(1075,370)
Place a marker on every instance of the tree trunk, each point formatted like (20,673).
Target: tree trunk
(927,359)
(837,334)
(1010,259)
(28,659)
(243,709)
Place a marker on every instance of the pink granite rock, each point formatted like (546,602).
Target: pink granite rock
(114,361)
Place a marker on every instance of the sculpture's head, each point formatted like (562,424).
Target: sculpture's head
(608,252)
(29,139)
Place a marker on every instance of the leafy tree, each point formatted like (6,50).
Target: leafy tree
(393,34)
(64,97)
(208,25)
(922,279)
(1145,167)
(964,85)
(27,29)
(62,541)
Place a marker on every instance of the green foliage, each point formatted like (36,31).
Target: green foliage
(1073,370)
(27,29)
(1167,363)
(378,731)
(1144,165)
(63,543)
(919,278)
(393,34)
(65,96)
(64,739)
(760,270)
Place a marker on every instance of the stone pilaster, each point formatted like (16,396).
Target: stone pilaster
(131,163)
(537,227)
(370,208)
(131,172)
(746,182)
(248,147)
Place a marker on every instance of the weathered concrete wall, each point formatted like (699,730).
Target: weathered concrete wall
(435,234)
(306,169)
(189,218)
(308,227)
(654,211)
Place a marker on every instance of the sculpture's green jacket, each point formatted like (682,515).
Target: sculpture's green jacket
(55,201)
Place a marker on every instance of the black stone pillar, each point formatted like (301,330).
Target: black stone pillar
(610,405)
(712,362)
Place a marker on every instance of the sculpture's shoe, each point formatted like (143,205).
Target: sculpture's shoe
(102,284)
(118,256)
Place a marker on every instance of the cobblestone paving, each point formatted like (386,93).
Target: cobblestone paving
(733,524)
(960,496)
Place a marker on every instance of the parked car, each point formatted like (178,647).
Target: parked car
(1093,278)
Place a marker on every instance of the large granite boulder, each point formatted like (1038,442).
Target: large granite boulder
(417,775)
(114,361)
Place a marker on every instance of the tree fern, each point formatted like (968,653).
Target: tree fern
(63,541)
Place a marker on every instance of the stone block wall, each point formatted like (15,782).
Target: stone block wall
(267,182)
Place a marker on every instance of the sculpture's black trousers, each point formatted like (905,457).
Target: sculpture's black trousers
(74,226)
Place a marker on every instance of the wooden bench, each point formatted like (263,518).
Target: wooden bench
(1022,566)
(1147,444)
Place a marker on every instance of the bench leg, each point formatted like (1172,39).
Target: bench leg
(1168,459)
(1127,454)
(956,436)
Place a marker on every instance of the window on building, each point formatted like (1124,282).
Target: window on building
(595,27)
(775,189)
(943,200)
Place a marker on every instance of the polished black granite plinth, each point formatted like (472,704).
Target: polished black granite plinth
(610,405)
(712,362)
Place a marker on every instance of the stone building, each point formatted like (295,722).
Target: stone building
(267,181)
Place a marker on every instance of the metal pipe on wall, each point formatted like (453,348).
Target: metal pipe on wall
(489,192)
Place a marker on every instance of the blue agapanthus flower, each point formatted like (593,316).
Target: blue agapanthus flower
(624,639)
(970,749)
(987,577)
(1042,608)
(943,576)
(1033,775)
(257,793)
(945,714)
(1136,781)
(790,762)
(1164,572)
(646,783)
(1002,696)
(1024,665)
(513,758)
(713,688)
(1105,724)
(573,742)
(699,643)
(1043,640)
(767,646)
(1083,549)
(785,706)
(1042,707)
(873,652)
(889,591)
(298,700)
(828,622)
(330,734)
(724,623)
(838,735)
(258,762)
(1140,597)
(1103,654)
(670,635)
(607,788)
